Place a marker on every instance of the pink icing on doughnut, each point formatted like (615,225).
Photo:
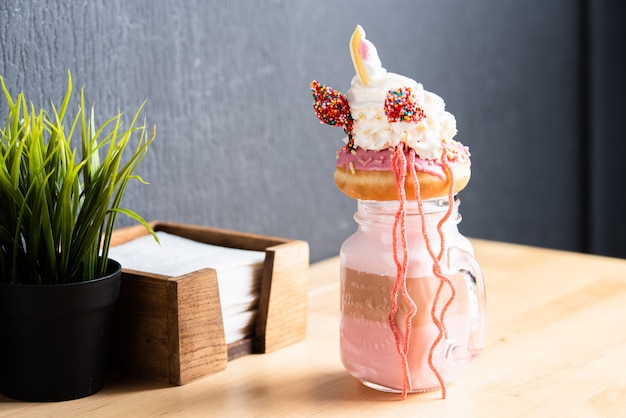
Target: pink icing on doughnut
(369,160)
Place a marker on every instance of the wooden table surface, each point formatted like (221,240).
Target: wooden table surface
(556,346)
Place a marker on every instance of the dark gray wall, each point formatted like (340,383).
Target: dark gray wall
(238,145)
(607,136)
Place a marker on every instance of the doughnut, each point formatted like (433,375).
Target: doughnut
(381,185)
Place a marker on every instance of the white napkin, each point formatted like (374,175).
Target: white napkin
(238,272)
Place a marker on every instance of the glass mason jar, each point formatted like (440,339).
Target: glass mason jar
(369,349)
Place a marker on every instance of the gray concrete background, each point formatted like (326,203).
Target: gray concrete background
(238,145)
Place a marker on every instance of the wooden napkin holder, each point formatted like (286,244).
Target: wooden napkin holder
(170,329)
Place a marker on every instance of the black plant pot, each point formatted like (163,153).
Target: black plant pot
(54,339)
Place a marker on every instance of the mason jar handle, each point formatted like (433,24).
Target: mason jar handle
(459,260)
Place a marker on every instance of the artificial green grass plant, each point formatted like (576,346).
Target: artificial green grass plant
(57,206)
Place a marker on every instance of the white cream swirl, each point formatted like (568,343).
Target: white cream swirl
(373,131)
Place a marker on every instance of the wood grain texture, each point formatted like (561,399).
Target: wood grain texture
(555,347)
(197,346)
(140,329)
(283,298)
(170,329)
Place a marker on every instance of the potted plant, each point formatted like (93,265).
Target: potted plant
(58,208)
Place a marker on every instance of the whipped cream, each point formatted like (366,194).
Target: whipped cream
(372,130)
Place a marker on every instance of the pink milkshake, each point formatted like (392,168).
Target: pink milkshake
(368,274)
(412,295)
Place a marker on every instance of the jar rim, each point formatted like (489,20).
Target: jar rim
(434,205)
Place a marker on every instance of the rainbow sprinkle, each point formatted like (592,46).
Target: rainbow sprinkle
(350,145)
(331,107)
(401,106)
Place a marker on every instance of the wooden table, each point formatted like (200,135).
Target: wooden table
(556,346)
